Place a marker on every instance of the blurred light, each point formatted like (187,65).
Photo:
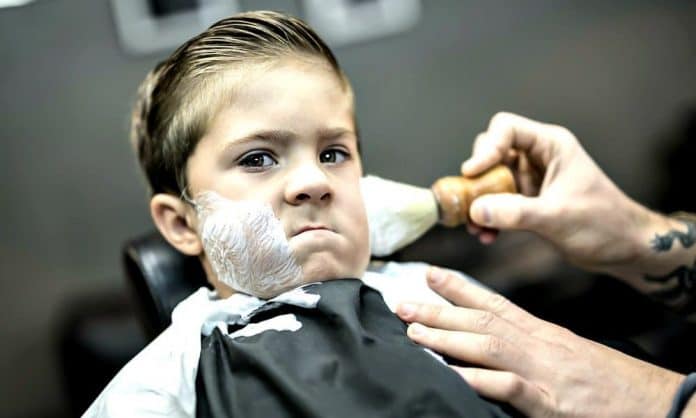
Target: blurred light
(148,26)
(342,22)
(14,3)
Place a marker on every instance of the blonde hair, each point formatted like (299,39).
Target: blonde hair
(180,96)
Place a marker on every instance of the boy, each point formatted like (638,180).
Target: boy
(252,117)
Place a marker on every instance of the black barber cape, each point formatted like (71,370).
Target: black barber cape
(349,356)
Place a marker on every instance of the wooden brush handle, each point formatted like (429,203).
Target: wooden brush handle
(454,194)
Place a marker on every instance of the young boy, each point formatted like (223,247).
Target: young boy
(255,116)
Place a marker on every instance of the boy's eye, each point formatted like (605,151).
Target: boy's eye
(333,156)
(257,160)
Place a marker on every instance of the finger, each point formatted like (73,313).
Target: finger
(479,143)
(437,316)
(508,211)
(508,131)
(473,229)
(505,387)
(488,236)
(484,154)
(481,349)
(467,294)
(511,158)
(485,235)
(454,318)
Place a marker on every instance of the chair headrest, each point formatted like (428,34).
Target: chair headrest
(161,277)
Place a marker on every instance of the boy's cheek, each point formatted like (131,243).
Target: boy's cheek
(246,246)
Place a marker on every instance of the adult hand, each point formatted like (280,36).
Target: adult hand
(565,198)
(538,367)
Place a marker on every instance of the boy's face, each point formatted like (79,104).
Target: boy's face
(289,140)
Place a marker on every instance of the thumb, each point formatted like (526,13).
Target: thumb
(507,211)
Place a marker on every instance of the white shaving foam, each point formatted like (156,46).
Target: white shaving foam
(287,322)
(246,245)
(299,297)
(237,309)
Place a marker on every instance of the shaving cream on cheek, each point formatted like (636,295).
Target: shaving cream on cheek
(246,245)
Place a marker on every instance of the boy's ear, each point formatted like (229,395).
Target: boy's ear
(175,220)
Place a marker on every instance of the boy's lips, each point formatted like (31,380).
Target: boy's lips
(311,227)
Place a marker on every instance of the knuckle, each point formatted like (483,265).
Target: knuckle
(557,333)
(484,321)
(450,278)
(492,346)
(499,118)
(561,133)
(433,313)
(497,303)
(513,386)
(458,289)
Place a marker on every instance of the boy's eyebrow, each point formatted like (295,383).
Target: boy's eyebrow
(267,135)
(285,136)
(333,133)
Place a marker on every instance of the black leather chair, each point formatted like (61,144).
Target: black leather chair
(161,277)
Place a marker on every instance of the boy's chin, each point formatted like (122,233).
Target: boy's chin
(317,270)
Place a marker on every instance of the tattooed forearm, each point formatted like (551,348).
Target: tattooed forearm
(664,242)
(680,287)
(679,284)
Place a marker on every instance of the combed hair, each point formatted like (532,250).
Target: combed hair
(180,96)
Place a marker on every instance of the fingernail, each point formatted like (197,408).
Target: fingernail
(483,211)
(436,276)
(487,215)
(407,309)
(416,330)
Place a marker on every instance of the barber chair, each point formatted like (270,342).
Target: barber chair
(160,277)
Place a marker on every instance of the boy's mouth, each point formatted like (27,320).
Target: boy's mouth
(311,227)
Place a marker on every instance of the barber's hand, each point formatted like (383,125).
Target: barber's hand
(541,369)
(565,197)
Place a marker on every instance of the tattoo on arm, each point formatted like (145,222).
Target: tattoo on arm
(663,243)
(680,283)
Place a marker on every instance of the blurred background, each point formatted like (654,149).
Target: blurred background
(427,75)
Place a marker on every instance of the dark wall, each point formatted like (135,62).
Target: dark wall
(616,73)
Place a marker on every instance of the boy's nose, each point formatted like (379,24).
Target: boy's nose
(308,184)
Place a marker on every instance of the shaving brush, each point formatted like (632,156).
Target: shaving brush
(455,194)
(399,213)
